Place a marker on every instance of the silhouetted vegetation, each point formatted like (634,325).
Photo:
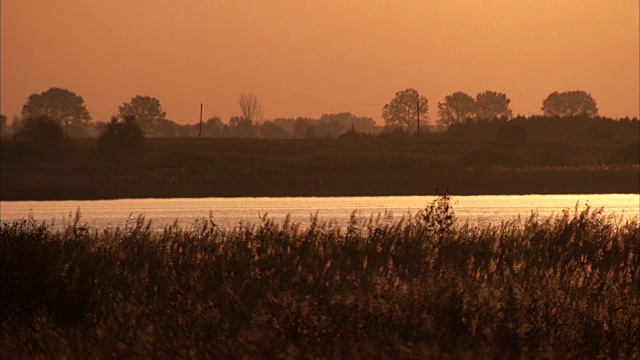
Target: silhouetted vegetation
(150,116)
(400,116)
(456,108)
(64,106)
(121,137)
(250,107)
(41,131)
(459,108)
(490,105)
(488,152)
(554,159)
(540,129)
(403,111)
(563,287)
(4,126)
(570,104)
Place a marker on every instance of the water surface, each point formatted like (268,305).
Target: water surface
(229,212)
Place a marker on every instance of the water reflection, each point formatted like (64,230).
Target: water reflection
(229,212)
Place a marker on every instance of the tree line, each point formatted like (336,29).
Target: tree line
(60,112)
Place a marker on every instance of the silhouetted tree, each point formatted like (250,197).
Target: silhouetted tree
(270,130)
(348,121)
(365,124)
(570,103)
(250,107)
(242,127)
(456,108)
(4,126)
(41,130)
(328,128)
(402,111)
(167,128)
(147,111)
(287,124)
(492,105)
(61,105)
(213,127)
(301,127)
(120,137)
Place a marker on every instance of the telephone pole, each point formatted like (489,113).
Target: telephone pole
(200,134)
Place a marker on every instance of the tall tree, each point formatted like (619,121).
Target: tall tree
(250,107)
(456,108)
(492,105)
(402,111)
(61,105)
(148,111)
(570,103)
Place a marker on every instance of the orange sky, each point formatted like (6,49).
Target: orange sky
(309,57)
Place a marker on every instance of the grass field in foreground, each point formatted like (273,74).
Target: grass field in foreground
(567,286)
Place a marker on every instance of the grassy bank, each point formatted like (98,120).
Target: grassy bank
(321,167)
(562,287)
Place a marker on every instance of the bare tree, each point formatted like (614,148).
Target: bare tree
(250,107)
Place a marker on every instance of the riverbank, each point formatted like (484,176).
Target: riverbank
(168,168)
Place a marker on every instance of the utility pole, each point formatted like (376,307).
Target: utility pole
(200,134)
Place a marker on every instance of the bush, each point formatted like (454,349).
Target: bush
(40,130)
(120,137)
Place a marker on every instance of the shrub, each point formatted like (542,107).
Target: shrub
(41,131)
(120,137)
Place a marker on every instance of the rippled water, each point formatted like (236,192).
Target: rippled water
(229,212)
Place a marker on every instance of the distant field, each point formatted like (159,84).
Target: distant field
(316,167)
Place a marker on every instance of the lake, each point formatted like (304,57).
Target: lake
(229,212)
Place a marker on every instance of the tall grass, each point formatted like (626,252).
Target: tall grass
(567,286)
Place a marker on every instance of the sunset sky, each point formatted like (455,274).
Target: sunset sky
(306,58)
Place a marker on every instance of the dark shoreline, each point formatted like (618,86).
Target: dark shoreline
(329,196)
(611,182)
(181,168)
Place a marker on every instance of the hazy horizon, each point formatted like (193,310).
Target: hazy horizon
(306,58)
